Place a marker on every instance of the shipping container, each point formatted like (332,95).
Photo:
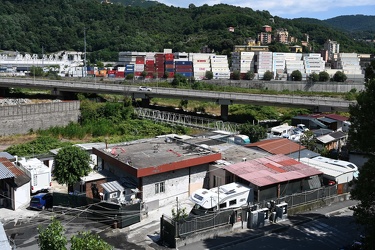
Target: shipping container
(186,74)
(121,74)
(183,62)
(169,62)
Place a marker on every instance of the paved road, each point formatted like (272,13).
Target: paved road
(313,227)
(329,227)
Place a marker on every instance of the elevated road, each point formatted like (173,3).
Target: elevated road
(317,104)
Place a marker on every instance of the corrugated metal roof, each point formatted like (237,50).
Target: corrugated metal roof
(327,120)
(5,173)
(338,134)
(112,186)
(325,139)
(277,146)
(264,171)
(303,153)
(21,177)
(337,117)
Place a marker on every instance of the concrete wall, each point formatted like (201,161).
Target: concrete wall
(20,119)
(177,184)
(292,86)
(22,196)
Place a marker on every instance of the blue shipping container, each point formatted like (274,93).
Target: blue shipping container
(183,63)
(186,74)
(168,62)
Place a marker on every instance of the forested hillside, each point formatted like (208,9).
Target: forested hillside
(50,26)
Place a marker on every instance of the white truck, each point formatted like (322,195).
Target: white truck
(232,195)
(39,173)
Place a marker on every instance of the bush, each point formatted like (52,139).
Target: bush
(323,76)
(268,75)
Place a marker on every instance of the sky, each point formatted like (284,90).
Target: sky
(319,9)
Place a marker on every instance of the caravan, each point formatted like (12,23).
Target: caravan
(232,195)
(284,131)
(39,173)
(340,164)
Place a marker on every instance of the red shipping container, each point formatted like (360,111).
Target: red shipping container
(137,73)
(171,75)
(112,72)
(120,74)
(169,66)
(148,62)
(177,66)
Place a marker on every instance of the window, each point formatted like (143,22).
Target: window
(160,187)
(232,202)
(223,205)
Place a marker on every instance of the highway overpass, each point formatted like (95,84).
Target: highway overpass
(317,104)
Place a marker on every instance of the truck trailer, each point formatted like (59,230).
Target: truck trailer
(39,173)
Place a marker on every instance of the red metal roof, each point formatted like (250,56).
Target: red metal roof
(277,146)
(271,170)
(337,117)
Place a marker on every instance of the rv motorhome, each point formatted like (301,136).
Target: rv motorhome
(232,195)
(284,131)
(339,163)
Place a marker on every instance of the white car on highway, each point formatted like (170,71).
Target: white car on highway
(143,88)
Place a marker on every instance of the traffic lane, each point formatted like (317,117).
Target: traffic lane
(316,232)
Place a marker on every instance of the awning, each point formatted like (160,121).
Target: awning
(112,186)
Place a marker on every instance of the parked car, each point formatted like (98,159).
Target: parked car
(143,88)
(41,201)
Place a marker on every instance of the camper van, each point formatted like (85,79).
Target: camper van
(284,131)
(239,139)
(339,163)
(232,195)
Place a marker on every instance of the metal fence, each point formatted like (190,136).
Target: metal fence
(172,229)
(109,213)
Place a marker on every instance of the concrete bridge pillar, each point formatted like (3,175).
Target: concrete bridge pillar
(145,102)
(224,104)
(224,112)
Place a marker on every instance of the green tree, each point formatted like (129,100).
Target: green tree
(209,75)
(308,140)
(129,76)
(362,137)
(296,75)
(179,213)
(268,75)
(70,164)
(52,237)
(236,75)
(370,71)
(314,77)
(144,74)
(323,76)
(255,132)
(339,76)
(88,241)
(36,71)
(249,75)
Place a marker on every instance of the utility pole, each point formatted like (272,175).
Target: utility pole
(84,56)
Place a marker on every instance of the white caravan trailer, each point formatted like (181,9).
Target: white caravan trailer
(232,195)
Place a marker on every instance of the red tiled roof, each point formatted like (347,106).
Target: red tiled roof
(337,117)
(277,146)
(271,170)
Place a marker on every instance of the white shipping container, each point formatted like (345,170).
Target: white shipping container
(201,65)
(219,57)
(139,67)
(247,53)
(201,60)
(203,69)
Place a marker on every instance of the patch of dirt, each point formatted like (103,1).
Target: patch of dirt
(7,141)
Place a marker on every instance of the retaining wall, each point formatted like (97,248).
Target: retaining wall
(20,119)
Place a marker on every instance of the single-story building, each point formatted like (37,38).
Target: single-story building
(162,169)
(334,140)
(275,176)
(14,185)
